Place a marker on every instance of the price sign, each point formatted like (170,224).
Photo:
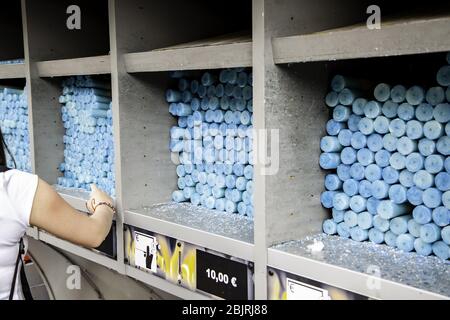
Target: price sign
(221,277)
(301,291)
(145,251)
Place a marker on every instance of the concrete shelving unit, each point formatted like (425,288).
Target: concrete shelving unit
(293,48)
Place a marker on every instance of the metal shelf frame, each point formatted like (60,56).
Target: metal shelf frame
(131,42)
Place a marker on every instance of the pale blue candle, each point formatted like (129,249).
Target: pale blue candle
(330,161)
(422,248)
(372,109)
(435,95)
(338,215)
(397,193)
(365,220)
(414,228)
(376,236)
(357,171)
(358,140)
(375,142)
(426,147)
(373,172)
(405,242)
(447,94)
(220,204)
(178,196)
(230,206)
(326,198)
(406,178)
(330,144)
(329,227)
(347,96)
(405,111)
(430,233)
(415,95)
(382,158)
(359,234)
(343,172)
(381,125)
(398,94)
(372,204)
(366,126)
(353,122)
(390,142)
(414,162)
(341,201)
(441,250)
(433,130)
(443,145)
(441,216)
(332,182)
(181,172)
(188,192)
(236,195)
(397,161)
(332,99)
(423,179)
(350,219)
(343,230)
(173,96)
(443,76)
(350,187)
(442,181)
(380,189)
(247,198)
(195,199)
(345,137)
(382,92)
(339,83)
(358,106)
(414,195)
(406,146)
(333,127)
(414,129)
(242,208)
(390,239)
(432,198)
(357,204)
(341,113)
(445,234)
(397,128)
(399,225)
(365,189)
(387,209)
(422,215)
(434,163)
(365,156)
(249,211)
(390,109)
(347,156)
(447,129)
(424,112)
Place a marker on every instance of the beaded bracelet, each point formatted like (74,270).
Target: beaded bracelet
(102,203)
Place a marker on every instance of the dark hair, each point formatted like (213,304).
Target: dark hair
(3,147)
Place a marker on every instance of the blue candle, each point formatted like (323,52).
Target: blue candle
(441,250)
(230,206)
(380,189)
(348,156)
(434,163)
(343,172)
(423,179)
(382,158)
(358,106)
(424,112)
(414,228)
(390,109)
(381,125)
(390,239)
(414,129)
(422,215)
(350,219)
(435,95)
(433,130)
(372,172)
(414,162)
(432,198)
(426,147)
(447,129)
(357,204)
(366,126)
(397,193)
(397,161)
(333,127)
(430,233)
(376,236)
(390,143)
(405,111)
(414,195)
(332,99)
(398,94)
(338,215)
(380,223)
(365,156)
(372,109)
(341,201)
(330,144)
(343,230)
(326,198)
(173,96)
(382,92)
(357,171)
(441,216)
(443,145)
(375,142)
(445,234)
(406,178)
(344,137)
(365,220)
(405,242)
(399,225)
(406,146)
(347,96)
(350,187)
(330,161)
(443,76)
(387,209)
(329,227)
(422,248)
(415,95)
(365,189)
(397,128)
(338,83)
(358,140)
(353,122)
(178,196)
(372,204)
(359,234)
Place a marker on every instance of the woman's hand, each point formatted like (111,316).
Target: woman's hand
(96,197)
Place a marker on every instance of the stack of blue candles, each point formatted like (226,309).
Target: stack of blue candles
(14,125)
(213,140)
(390,179)
(15,61)
(89,146)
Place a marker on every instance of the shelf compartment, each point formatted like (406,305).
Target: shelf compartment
(75,197)
(85,253)
(222,232)
(222,52)
(345,264)
(164,285)
(396,37)
(12,71)
(74,67)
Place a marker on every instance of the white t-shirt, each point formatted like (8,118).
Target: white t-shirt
(17,190)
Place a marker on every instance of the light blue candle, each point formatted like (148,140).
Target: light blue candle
(430,233)
(399,225)
(397,161)
(441,113)
(339,83)
(423,179)
(432,198)
(365,156)
(422,248)
(387,209)
(405,242)
(415,95)
(357,171)
(414,195)
(347,96)
(345,137)
(397,193)
(434,163)
(341,113)
(433,130)
(382,158)
(405,146)
(441,250)
(382,92)
(343,172)
(242,208)
(326,198)
(422,215)
(195,199)
(435,95)
(398,94)
(424,112)
(372,204)
(181,172)
(442,181)
(343,230)
(357,204)
(405,111)
(358,106)
(447,94)
(330,161)
(441,216)
(358,140)
(173,96)
(426,147)
(447,129)
(443,76)
(375,142)
(397,128)
(365,220)
(406,178)
(350,219)
(381,125)
(338,215)
(365,189)
(376,236)
(390,142)
(178,196)
(390,109)
(414,162)
(445,234)
(350,187)
(230,206)
(414,129)
(347,156)
(366,126)
(332,99)
(372,172)
(353,122)
(330,144)
(358,234)
(390,239)
(443,145)
(414,228)
(329,227)
(333,127)
(372,109)
(341,201)
(380,189)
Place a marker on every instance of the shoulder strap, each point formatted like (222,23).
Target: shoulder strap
(3,169)
(23,278)
(16,269)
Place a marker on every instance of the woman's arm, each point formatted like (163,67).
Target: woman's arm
(53,214)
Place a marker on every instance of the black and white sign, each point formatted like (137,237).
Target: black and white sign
(221,277)
(145,251)
(301,291)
